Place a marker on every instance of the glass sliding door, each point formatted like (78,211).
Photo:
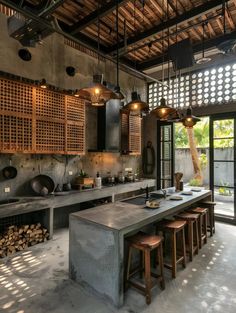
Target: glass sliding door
(222,142)
(165,159)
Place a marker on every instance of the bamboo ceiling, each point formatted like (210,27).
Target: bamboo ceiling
(142,24)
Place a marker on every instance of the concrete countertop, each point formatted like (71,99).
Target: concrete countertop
(122,216)
(29,204)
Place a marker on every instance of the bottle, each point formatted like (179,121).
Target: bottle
(98,181)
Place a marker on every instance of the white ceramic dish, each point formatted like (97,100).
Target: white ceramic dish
(187,193)
(196,189)
(176,198)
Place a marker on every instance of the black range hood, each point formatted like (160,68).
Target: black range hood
(108,127)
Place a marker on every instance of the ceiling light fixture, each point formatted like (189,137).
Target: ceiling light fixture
(43,83)
(189,120)
(97,93)
(136,106)
(163,112)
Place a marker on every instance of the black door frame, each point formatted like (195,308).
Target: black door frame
(159,159)
(212,118)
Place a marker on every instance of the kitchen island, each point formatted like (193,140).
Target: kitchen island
(96,244)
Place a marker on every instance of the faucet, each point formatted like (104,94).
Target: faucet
(164,192)
(146,191)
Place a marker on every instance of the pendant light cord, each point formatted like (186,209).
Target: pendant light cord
(117,44)
(98,26)
(162,68)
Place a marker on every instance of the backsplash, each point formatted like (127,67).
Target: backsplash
(58,168)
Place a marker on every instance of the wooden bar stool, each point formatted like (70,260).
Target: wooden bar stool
(202,224)
(210,206)
(145,244)
(175,228)
(192,245)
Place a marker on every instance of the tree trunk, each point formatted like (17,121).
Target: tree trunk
(194,154)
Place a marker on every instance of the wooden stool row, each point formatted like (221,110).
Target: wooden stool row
(197,222)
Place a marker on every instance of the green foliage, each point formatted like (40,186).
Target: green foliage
(195,182)
(203,160)
(201,134)
(222,129)
(224,190)
(83,174)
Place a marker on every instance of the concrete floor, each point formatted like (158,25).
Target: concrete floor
(36,281)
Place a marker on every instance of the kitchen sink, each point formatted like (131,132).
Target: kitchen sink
(138,200)
(8,201)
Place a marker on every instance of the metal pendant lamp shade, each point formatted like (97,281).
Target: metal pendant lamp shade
(136,104)
(119,94)
(189,120)
(163,111)
(97,93)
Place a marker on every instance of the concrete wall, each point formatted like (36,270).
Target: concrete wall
(49,61)
(223,171)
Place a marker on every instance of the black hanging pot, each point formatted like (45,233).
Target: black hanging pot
(9,172)
(42,185)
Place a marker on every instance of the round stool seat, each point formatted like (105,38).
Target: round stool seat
(188,216)
(199,210)
(142,239)
(175,225)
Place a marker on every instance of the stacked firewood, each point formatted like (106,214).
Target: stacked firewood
(17,238)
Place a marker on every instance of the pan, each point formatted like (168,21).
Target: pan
(42,185)
(9,172)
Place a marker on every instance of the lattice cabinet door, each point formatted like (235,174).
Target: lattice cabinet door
(75,125)
(50,114)
(135,134)
(15,117)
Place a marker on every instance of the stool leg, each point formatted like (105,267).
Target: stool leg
(196,236)
(200,231)
(141,256)
(190,240)
(148,276)
(174,256)
(161,264)
(184,249)
(205,227)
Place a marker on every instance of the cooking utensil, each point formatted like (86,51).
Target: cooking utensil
(40,182)
(9,172)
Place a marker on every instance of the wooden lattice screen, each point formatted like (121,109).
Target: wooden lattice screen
(135,134)
(34,120)
(131,133)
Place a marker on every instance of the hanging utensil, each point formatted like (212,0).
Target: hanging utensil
(9,172)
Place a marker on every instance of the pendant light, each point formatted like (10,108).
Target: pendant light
(189,120)
(97,93)
(118,93)
(163,111)
(203,59)
(136,106)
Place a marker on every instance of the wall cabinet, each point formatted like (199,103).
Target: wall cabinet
(131,134)
(36,120)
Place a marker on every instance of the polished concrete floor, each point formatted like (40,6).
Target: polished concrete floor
(36,281)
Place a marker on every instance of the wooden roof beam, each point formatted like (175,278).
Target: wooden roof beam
(211,43)
(93,16)
(183,18)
